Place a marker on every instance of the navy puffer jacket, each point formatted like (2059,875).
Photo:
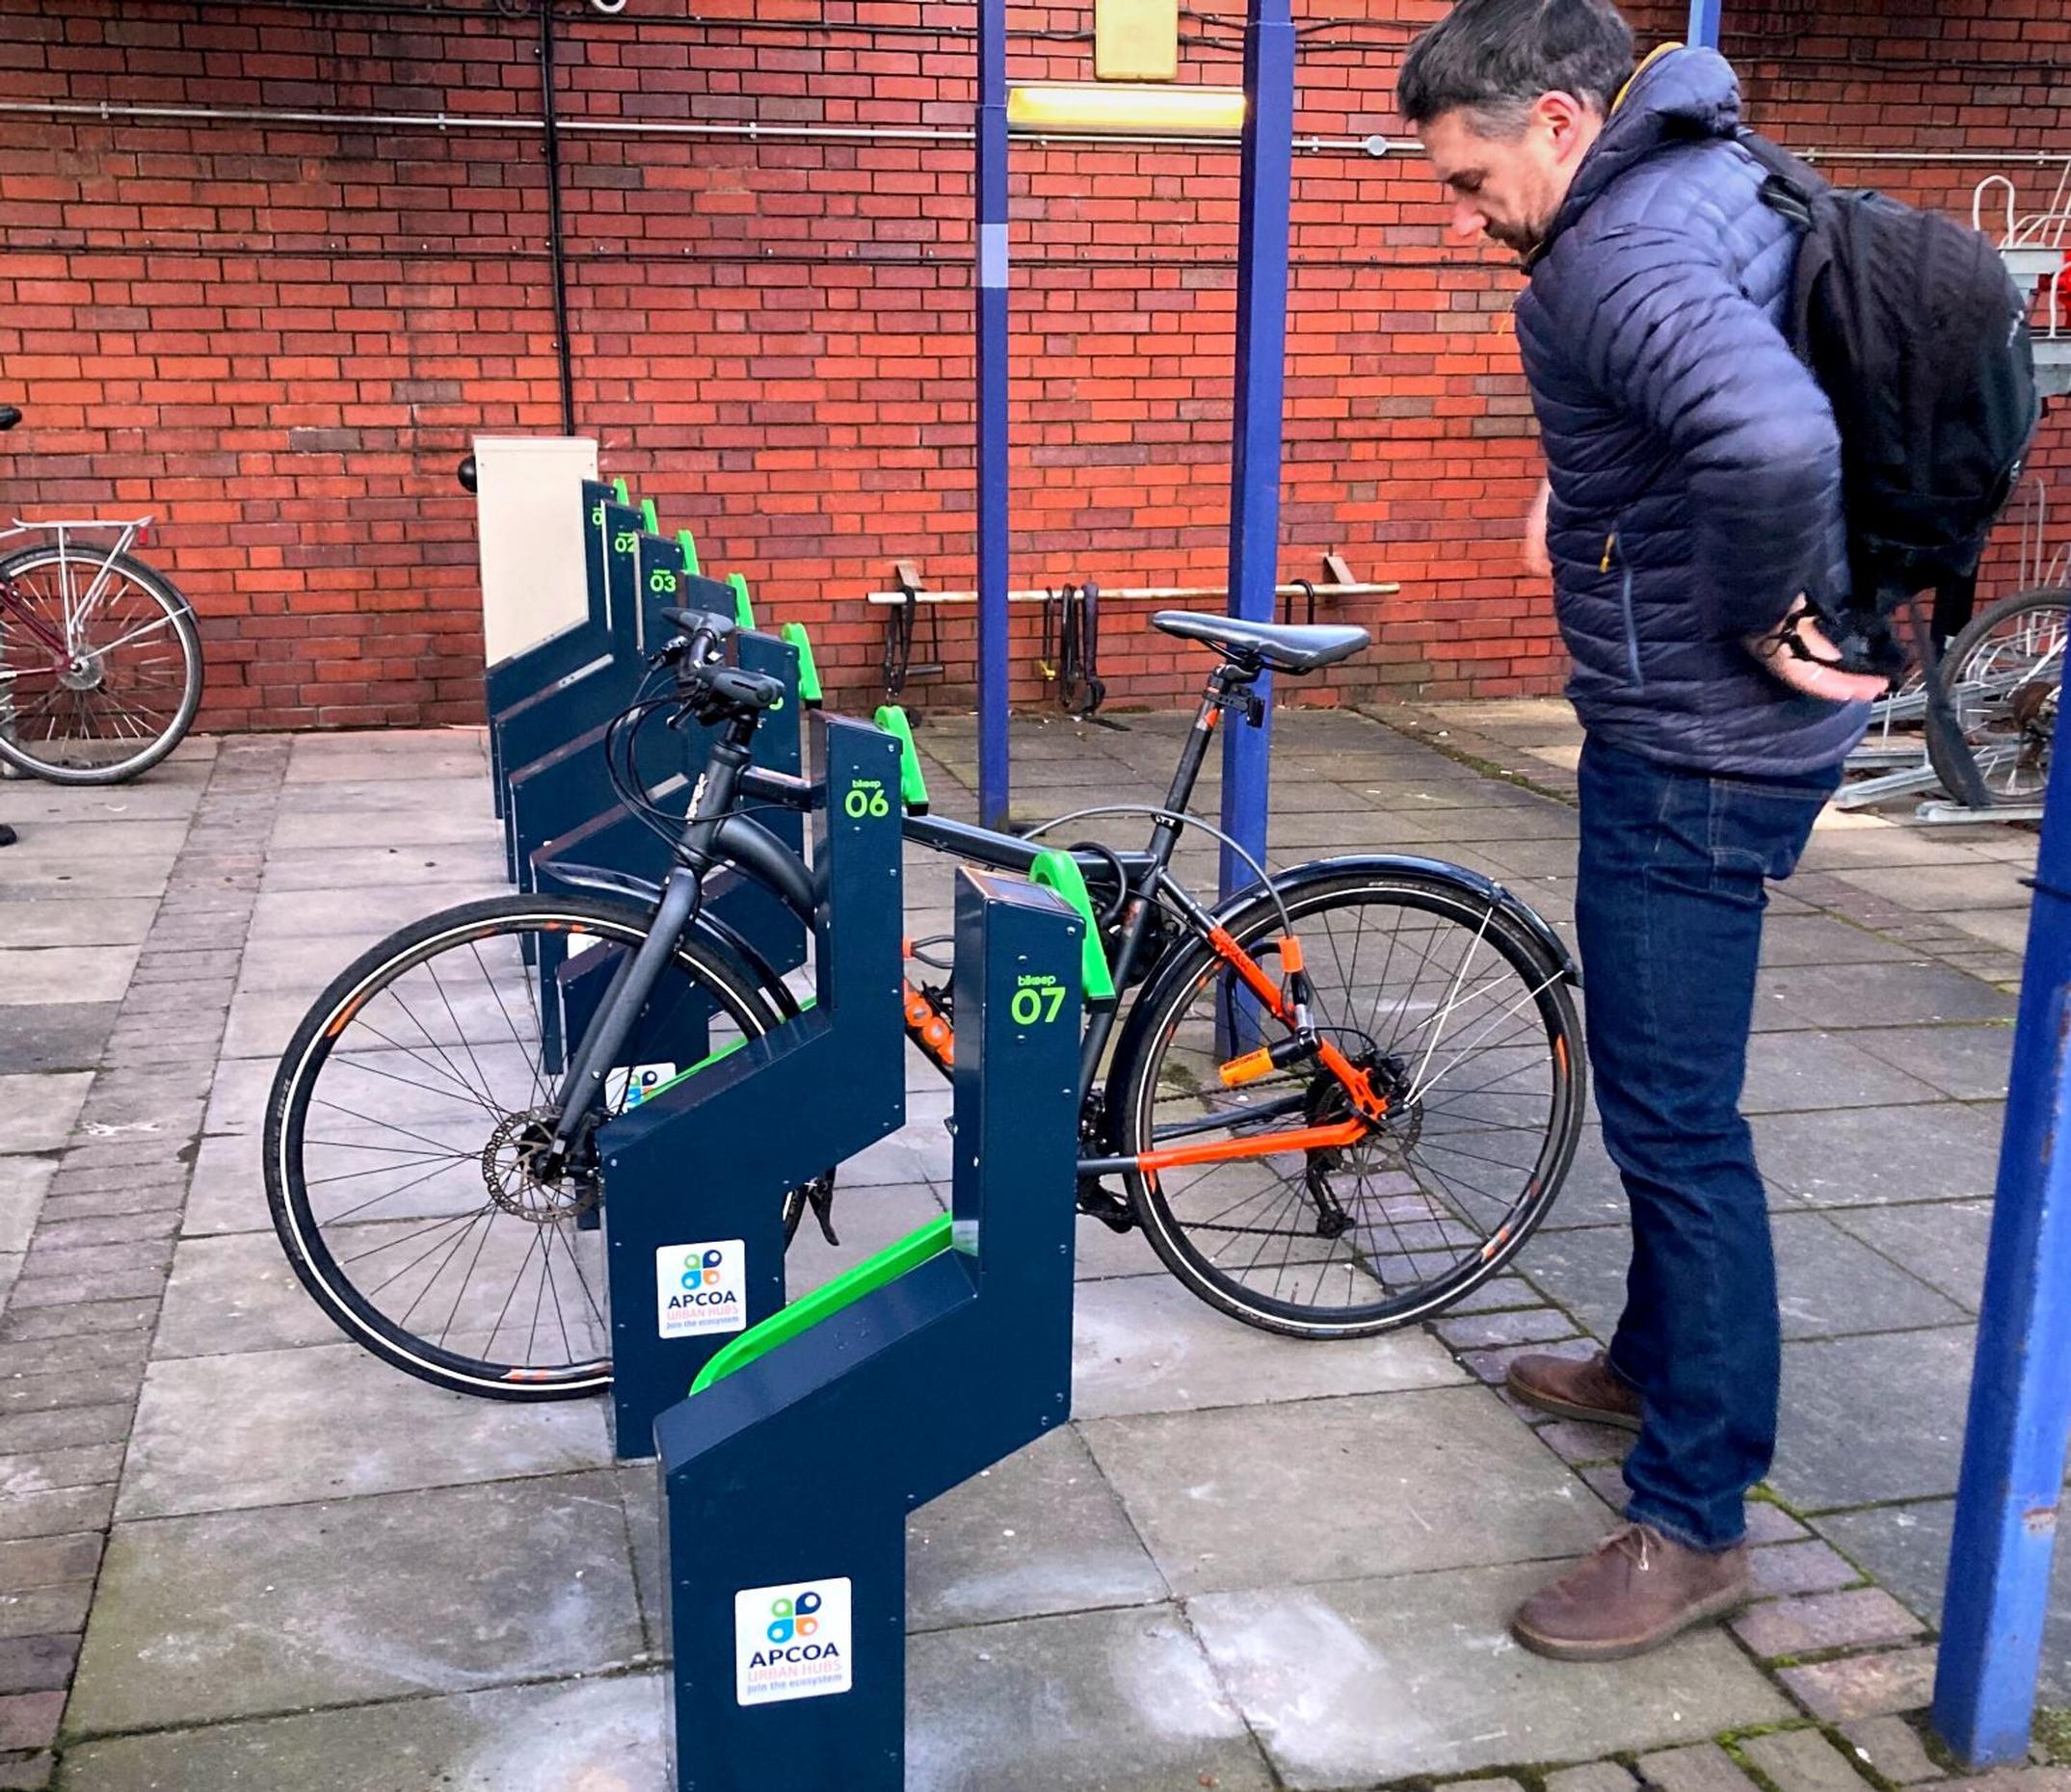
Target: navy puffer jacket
(1695,464)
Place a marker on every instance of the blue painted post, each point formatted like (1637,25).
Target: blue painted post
(1262,354)
(2020,1409)
(1704,23)
(992,377)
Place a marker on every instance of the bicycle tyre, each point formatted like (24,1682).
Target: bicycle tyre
(1183,1244)
(164,736)
(298,1088)
(1977,715)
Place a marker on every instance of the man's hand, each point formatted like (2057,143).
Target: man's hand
(1814,671)
(1537,561)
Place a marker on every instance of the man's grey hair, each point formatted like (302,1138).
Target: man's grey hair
(1494,58)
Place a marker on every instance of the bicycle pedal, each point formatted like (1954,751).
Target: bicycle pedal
(1097,1202)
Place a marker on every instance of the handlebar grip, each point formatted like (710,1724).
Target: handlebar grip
(8,416)
(695,621)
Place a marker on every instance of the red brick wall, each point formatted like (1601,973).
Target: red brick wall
(279,336)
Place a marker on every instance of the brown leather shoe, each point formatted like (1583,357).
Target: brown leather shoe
(1636,1591)
(1577,1388)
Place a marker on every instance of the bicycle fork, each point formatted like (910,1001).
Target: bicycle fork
(581,1091)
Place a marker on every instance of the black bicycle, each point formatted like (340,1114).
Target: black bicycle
(1335,1103)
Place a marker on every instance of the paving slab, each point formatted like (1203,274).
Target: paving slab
(227,1193)
(1839,1445)
(1901,994)
(1824,939)
(1037,1535)
(377,864)
(48,872)
(373,910)
(1792,1072)
(1943,1243)
(590,1735)
(29,800)
(55,1035)
(115,922)
(1369,1680)
(341,830)
(1905,1547)
(281,1609)
(1969,1062)
(65,973)
(1143,1344)
(1099,1702)
(92,839)
(1324,1489)
(233,1294)
(1863,1156)
(23,1183)
(237,1096)
(1943,889)
(37,1110)
(213,1432)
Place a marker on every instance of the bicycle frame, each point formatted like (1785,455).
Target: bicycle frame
(713,835)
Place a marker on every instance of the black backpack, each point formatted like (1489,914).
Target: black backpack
(1918,337)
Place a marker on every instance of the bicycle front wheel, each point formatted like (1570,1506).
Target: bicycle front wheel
(1459,1015)
(100,666)
(406,1122)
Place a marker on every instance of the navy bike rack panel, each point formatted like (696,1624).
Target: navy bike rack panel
(789,1482)
(699,1169)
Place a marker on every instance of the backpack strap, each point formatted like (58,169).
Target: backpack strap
(1792,186)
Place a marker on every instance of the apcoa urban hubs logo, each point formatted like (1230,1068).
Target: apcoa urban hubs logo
(698,1288)
(791,1642)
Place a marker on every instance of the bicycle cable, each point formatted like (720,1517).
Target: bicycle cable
(1158,812)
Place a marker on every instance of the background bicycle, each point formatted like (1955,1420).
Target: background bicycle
(100,662)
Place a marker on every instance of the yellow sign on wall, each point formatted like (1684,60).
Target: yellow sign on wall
(1135,40)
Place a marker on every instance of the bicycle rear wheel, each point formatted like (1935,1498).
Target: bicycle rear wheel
(100,666)
(405,1123)
(2004,673)
(1461,1019)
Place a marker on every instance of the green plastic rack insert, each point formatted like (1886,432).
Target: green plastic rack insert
(1059,871)
(809,673)
(866,1278)
(913,786)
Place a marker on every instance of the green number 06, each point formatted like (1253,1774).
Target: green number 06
(859,803)
(1027,1005)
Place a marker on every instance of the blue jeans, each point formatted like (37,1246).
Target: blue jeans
(1668,908)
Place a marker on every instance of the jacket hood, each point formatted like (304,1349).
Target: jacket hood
(1677,96)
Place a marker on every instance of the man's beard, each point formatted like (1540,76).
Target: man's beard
(1521,238)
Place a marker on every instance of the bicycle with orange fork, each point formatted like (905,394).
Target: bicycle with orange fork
(1335,1103)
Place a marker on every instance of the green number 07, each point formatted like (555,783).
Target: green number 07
(1027,1005)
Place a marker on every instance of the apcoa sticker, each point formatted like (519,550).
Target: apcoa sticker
(698,1288)
(791,1642)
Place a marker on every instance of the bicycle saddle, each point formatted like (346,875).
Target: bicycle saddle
(1288,647)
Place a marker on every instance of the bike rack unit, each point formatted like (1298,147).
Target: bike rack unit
(695,1176)
(789,1471)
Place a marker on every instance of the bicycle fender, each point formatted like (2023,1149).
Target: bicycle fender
(1470,884)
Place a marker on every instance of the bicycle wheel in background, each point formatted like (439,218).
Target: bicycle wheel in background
(1464,1021)
(2004,673)
(100,666)
(404,1126)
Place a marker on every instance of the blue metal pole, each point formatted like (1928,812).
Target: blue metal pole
(993,377)
(1704,23)
(2020,1405)
(1261,353)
